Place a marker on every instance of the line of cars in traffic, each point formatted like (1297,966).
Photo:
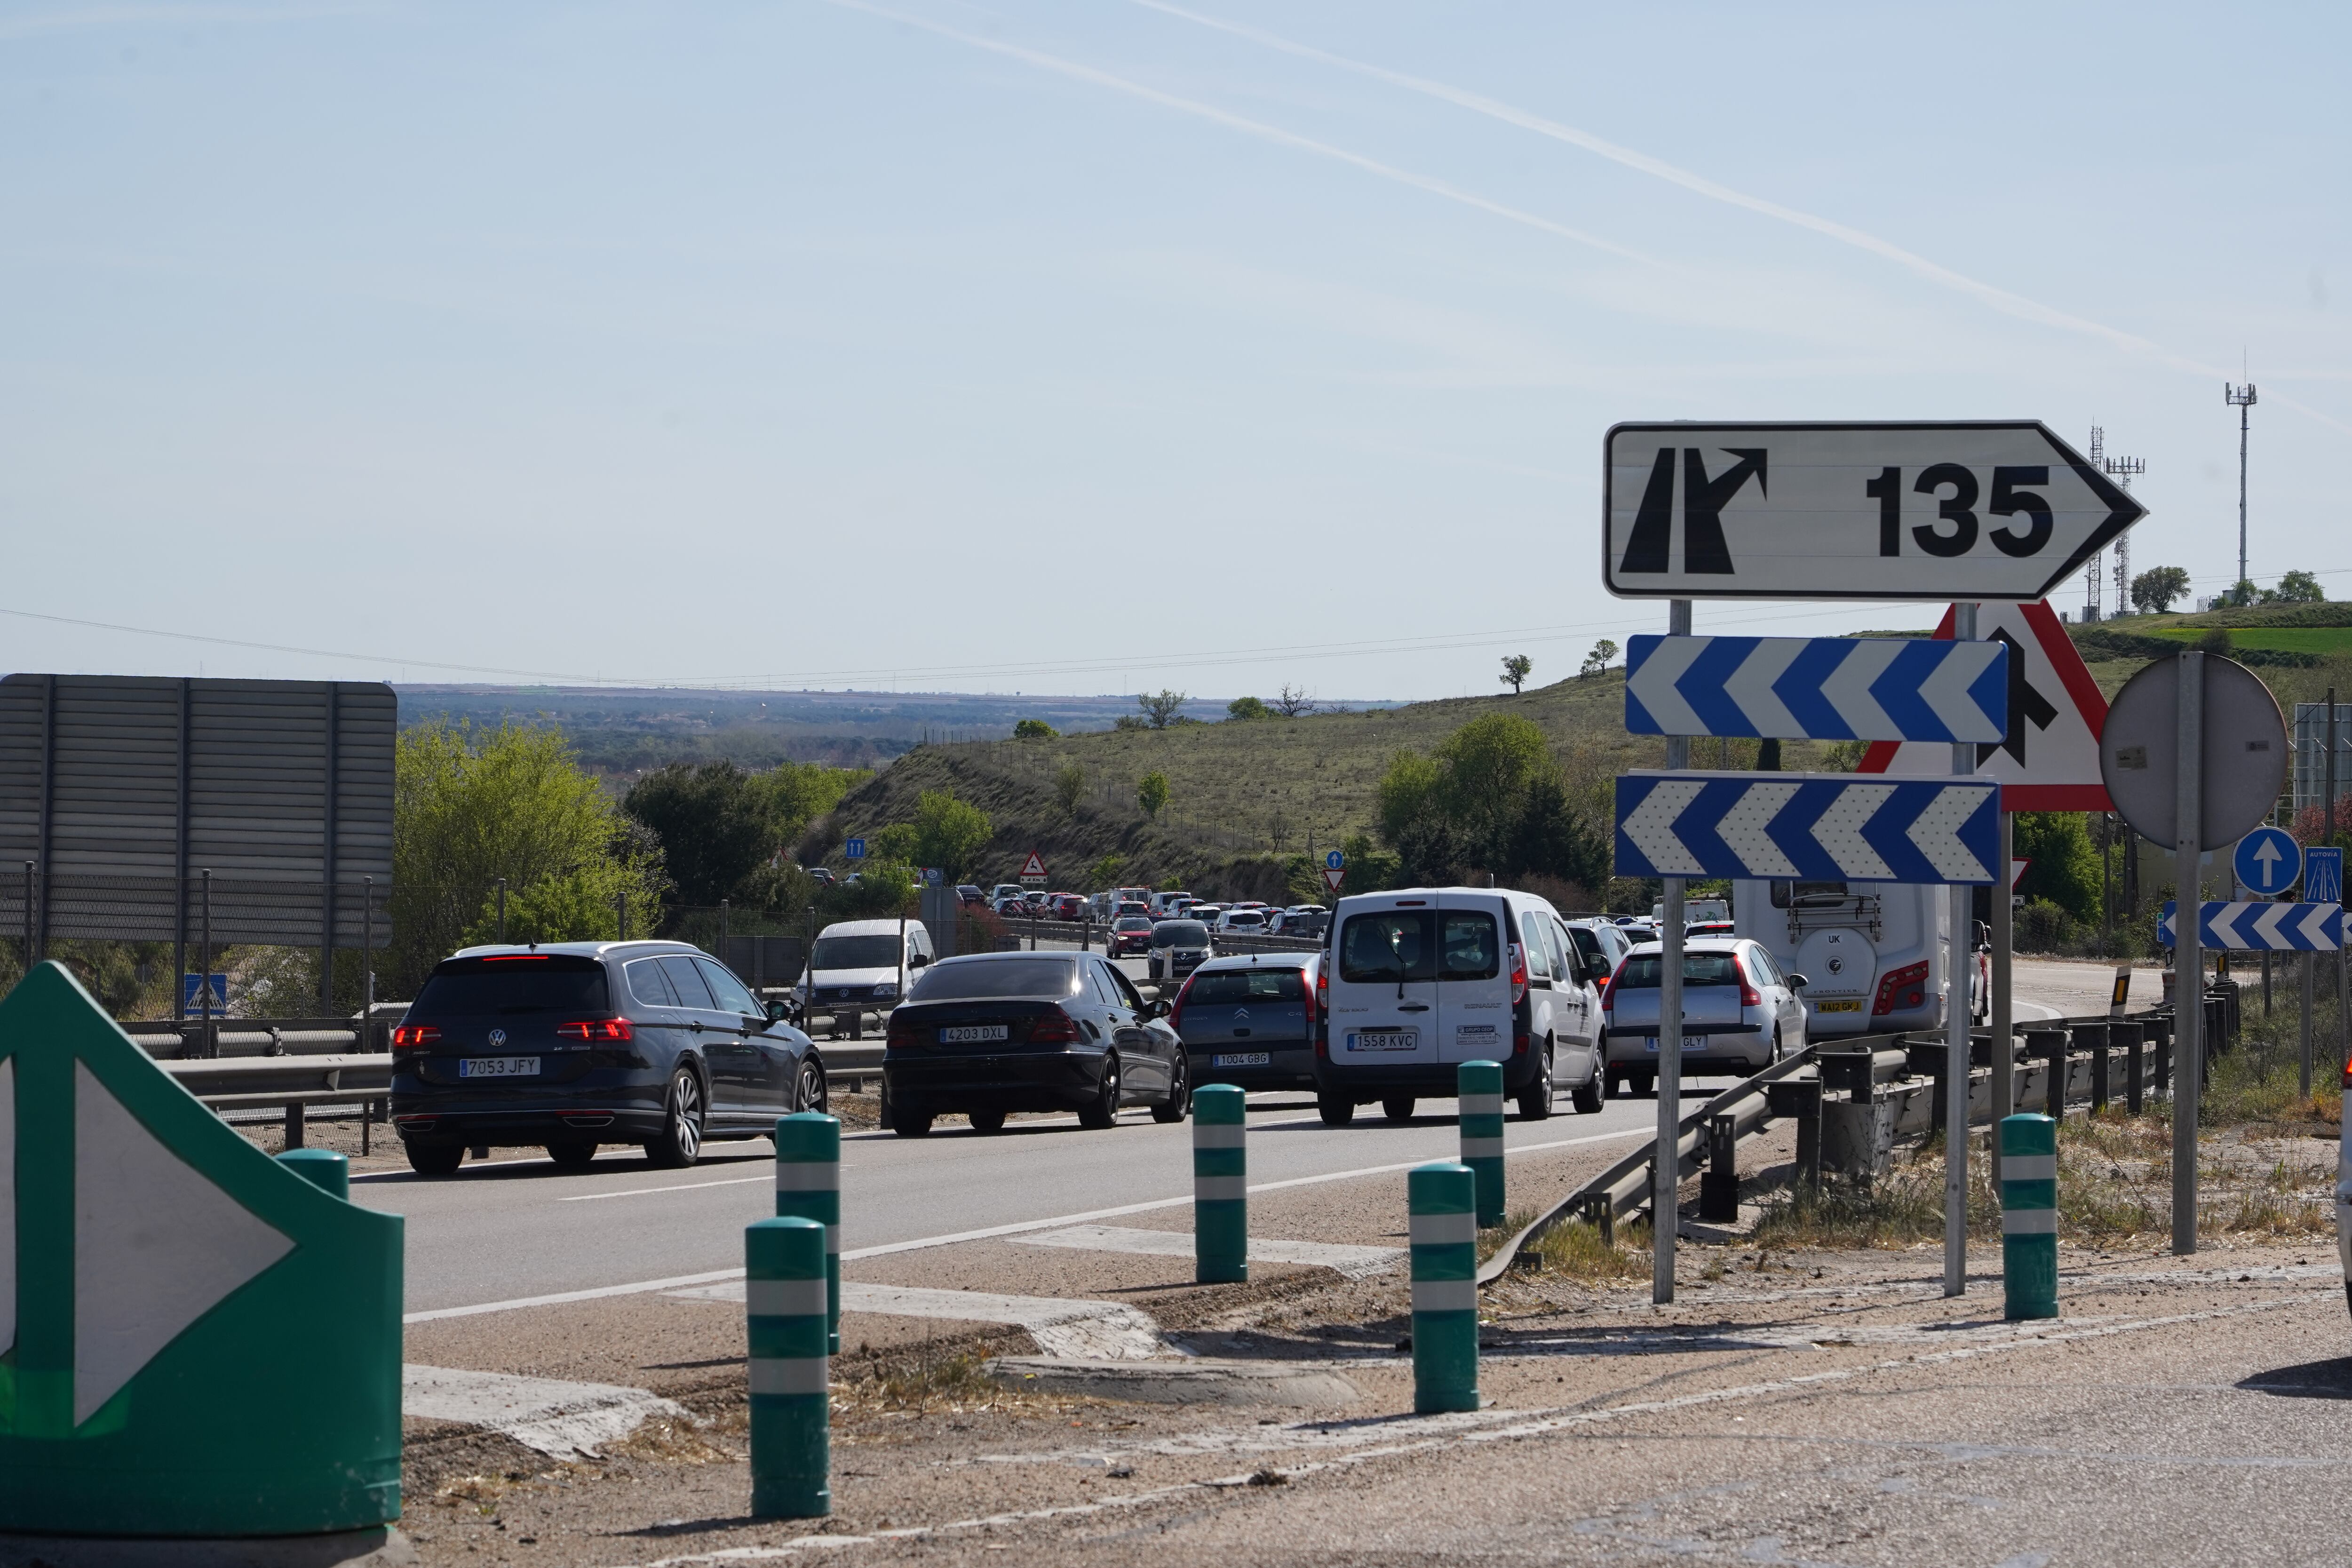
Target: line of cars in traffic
(1247,916)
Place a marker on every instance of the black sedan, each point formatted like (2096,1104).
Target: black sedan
(993,1032)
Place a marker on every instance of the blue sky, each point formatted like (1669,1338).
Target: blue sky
(1086,347)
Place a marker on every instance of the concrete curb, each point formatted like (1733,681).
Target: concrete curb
(382,1547)
(1195,1382)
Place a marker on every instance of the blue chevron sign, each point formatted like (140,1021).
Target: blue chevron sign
(1818,688)
(1813,827)
(2262,926)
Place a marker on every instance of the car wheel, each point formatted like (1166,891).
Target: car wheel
(1178,1103)
(809,1090)
(1335,1112)
(985,1120)
(572,1153)
(1534,1100)
(1103,1109)
(681,1143)
(434,1159)
(1397,1107)
(1588,1096)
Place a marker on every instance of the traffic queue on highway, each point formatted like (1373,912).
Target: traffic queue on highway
(576,1046)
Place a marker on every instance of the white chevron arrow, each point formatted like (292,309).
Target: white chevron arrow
(1651,825)
(1946,691)
(2225,925)
(2267,923)
(1848,686)
(1750,686)
(1742,829)
(1839,831)
(1938,834)
(2313,928)
(1652,685)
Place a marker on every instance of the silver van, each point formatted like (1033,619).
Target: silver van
(1422,980)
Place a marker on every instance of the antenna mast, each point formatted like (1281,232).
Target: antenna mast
(2124,468)
(2242,399)
(2096,573)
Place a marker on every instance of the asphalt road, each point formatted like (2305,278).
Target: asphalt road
(515,1227)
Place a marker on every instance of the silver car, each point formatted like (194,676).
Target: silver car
(1740,1012)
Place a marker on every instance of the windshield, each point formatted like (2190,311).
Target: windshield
(1180,933)
(1211,987)
(546,983)
(988,977)
(856,951)
(1640,973)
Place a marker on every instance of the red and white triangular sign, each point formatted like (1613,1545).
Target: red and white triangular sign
(2049,761)
(1035,865)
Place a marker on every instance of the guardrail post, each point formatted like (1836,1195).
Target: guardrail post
(1601,1214)
(1719,1189)
(322,1168)
(2092,1037)
(808,1185)
(2050,1045)
(1219,1185)
(2162,1070)
(294,1124)
(2029,1216)
(2134,1064)
(1478,1101)
(785,1298)
(1444,1233)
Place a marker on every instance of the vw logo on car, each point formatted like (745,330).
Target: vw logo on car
(498,1037)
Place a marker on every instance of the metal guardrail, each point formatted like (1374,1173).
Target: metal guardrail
(2080,1055)
(185,1039)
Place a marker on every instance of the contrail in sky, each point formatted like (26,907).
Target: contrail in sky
(1997,298)
(1273,133)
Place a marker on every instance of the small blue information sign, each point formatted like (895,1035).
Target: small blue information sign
(2268,861)
(192,989)
(2323,875)
(857,850)
(1335,861)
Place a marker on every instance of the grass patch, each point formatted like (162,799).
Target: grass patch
(1902,1208)
(1574,1249)
(2257,1081)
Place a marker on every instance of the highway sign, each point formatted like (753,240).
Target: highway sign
(933,876)
(1815,827)
(1818,689)
(1335,861)
(1333,875)
(2048,759)
(1998,510)
(2243,745)
(2264,925)
(856,849)
(2268,861)
(192,989)
(2322,874)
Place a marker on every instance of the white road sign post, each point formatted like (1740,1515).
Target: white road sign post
(2000,510)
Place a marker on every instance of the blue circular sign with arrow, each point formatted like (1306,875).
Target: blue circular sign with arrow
(1335,860)
(2268,861)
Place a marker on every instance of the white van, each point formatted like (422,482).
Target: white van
(1872,953)
(1696,911)
(1422,980)
(859,967)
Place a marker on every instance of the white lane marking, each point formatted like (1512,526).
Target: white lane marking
(1062,1326)
(1019,1228)
(681,1187)
(1355,1262)
(563,1420)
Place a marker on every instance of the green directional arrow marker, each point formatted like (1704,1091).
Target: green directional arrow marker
(195,1341)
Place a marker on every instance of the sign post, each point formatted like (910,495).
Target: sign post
(1958,1014)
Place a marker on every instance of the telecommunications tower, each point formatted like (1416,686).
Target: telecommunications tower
(2096,573)
(2241,398)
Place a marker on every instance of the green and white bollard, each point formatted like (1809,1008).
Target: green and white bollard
(808,1184)
(321,1168)
(1478,1096)
(2029,1216)
(1444,1231)
(786,1295)
(1220,1186)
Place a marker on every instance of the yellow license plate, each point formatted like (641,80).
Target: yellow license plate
(1855,1006)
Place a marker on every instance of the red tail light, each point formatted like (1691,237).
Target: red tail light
(1054,1027)
(1176,1008)
(1905,987)
(1749,995)
(414,1037)
(903,1031)
(1312,998)
(1519,975)
(595,1029)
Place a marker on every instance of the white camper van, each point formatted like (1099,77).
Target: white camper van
(1872,953)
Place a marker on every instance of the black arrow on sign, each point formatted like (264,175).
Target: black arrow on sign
(1703,503)
(2024,704)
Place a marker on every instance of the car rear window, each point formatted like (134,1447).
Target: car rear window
(1180,933)
(1133,922)
(1211,987)
(1246,918)
(856,951)
(1395,946)
(539,983)
(982,978)
(1640,973)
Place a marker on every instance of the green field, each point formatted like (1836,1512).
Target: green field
(2321,640)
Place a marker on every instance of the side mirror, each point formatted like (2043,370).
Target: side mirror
(1797,983)
(919,960)
(1158,1008)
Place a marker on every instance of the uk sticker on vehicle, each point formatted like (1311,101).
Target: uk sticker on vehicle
(497,1067)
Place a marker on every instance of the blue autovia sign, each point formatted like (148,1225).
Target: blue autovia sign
(2323,875)
(857,850)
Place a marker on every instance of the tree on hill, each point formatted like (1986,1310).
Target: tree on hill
(1152,794)
(711,822)
(1598,660)
(1033,730)
(1247,708)
(1161,710)
(1069,788)
(950,834)
(1292,704)
(1516,669)
(1489,798)
(2153,591)
(2296,588)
